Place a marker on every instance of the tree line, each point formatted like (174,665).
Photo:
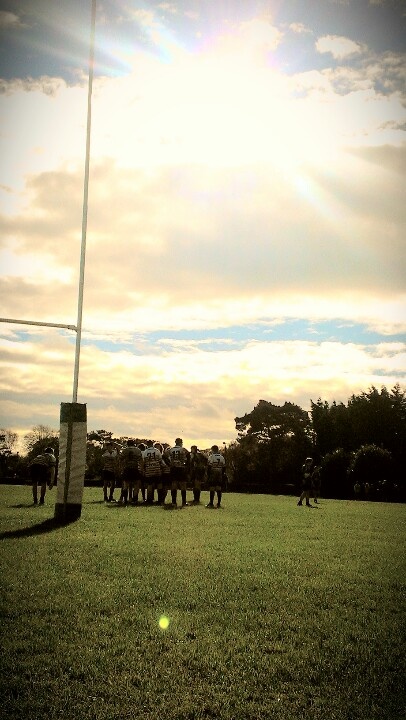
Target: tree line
(362,441)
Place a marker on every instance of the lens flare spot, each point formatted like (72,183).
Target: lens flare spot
(163,622)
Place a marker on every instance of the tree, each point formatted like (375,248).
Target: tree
(373,417)
(331,424)
(39,438)
(273,442)
(334,474)
(99,436)
(8,440)
(38,434)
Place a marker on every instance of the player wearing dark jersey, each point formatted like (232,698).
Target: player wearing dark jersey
(316,484)
(130,460)
(307,472)
(142,447)
(179,460)
(109,471)
(198,467)
(216,467)
(42,473)
(166,472)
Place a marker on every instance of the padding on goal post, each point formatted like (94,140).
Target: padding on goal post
(72,462)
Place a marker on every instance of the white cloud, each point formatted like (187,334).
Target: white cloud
(338,47)
(196,395)
(300,28)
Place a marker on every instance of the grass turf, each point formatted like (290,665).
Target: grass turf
(275,611)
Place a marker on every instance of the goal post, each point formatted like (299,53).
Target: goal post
(72,462)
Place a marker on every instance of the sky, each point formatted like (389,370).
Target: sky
(246,209)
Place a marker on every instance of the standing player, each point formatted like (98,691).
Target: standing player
(166,471)
(198,466)
(152,462)
(316,483)
(216,468)
(161,484)
(307,472)
(42,473)
(130,458)
(109,471)
(142,447)
(179,459)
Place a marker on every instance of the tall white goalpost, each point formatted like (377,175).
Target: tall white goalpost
(73,416)
(73,419)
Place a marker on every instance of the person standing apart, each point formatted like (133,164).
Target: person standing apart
(179,459)
(307,472)
(42,473)
(216,468)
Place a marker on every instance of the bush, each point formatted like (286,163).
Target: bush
(371,464)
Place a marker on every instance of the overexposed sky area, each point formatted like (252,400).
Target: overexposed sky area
(246,209)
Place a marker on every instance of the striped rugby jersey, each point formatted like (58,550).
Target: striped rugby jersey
(152,461)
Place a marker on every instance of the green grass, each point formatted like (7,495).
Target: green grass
(275,611)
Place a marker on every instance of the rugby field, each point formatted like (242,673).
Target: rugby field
(270,610)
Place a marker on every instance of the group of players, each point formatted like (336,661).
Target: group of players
(148,469)
(143,470)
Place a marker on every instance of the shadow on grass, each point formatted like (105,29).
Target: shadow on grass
(21,505)
(41,528)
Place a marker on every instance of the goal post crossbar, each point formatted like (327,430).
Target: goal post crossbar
(43,324)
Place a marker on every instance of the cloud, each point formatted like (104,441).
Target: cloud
(44,85)
(393,159)
(168,7)
(195,395)
(178,242)
(299,28)
(338,47)
(9,20)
